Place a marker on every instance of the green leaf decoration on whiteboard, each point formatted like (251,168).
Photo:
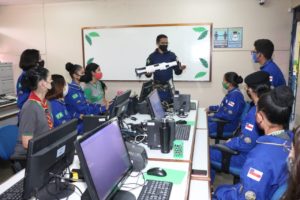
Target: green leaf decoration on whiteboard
(204,62)
(88,39)
(90,61)
(94,34)
(203,35)
(199,29)
(200,74)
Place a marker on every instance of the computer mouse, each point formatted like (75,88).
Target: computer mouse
(133,118)
(181,122)
(156,171)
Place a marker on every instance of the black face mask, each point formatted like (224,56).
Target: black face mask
(82,78)
(163,47)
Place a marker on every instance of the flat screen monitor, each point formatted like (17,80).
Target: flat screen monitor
(147,88)
(120,105)
(48,156)
(104,160)
(156,109)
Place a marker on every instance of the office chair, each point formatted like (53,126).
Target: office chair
(224,165)
(8,141)
(225,135)
(279,192)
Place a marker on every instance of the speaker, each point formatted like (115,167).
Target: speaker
(138,156)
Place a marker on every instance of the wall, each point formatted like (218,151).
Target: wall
(55,29)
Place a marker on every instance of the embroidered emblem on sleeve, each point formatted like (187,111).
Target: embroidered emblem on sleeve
(247,140)
(231,103)
(249,126)
(255,174)
(250,195)
(271,78)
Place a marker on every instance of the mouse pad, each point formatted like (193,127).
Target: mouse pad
(174,176)
(191,123)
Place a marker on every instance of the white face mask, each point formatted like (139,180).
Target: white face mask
(66,90)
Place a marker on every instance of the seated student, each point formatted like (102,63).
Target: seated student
(30,58)
(293,189)
(94,89)
(35,115)
(56,98)
(231,106)
(262,54)
(265,168)
(75,100)
(257,84)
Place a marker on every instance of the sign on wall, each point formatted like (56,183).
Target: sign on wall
(228,37)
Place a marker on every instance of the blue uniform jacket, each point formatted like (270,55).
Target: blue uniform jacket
(263,172)
(22,94)
(231,108)
(249,134)
(276,76)
(76,103)
(59,112)
(163,75)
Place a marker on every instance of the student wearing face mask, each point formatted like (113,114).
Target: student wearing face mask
(231,106)
(29,59)
(262,54)
(257,84)
(35,116)
(75,100)
(162,77)
(56,98)
(94,89)
(293,190)
(265,168)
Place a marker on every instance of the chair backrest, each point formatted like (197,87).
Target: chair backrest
(279,192)
(245,111)
(8,140)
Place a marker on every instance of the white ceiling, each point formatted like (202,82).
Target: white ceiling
(20,2)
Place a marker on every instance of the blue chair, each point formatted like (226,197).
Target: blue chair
(8,141)
(224,165)
(279,192)
(225,135)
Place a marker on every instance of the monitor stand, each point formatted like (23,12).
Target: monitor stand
(56,190)
(124,195)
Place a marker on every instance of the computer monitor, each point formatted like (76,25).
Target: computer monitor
(120,104)
(147,88)
(104,160)
(48,156)
(156,109)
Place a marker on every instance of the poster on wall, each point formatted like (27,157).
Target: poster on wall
(228,37)
(235,37)
(220,37)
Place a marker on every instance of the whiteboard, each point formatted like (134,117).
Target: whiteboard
(120,49)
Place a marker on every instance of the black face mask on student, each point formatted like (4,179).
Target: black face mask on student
(163,47)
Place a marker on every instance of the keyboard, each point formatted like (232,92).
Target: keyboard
(14,193)
(193,106)
(182,132)
(159,190)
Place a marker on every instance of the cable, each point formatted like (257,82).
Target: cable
(141,135)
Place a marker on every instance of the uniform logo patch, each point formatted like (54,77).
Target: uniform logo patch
(59,115)
(249,127)
(255,174)
(74,96)
(271,78)
(250,195)
(231,103)
(247,140)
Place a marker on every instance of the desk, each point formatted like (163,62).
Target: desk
(199,188)
(202,119)
(8,114)
(196,156)
(187,145)
(179,191)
